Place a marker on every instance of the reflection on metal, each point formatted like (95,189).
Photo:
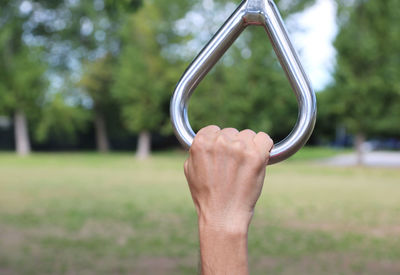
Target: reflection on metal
(250,12)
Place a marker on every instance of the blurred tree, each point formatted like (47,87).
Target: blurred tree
(99,43)
(326,128)
(60,121)
(70,32)
(366,95)
(91,37)
(144,79)
(96,82)
(22,81)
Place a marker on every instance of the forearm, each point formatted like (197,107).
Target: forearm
(225,171)
(223,249)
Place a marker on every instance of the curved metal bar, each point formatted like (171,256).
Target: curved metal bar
(249,12)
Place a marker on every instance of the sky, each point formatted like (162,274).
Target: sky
(313,36)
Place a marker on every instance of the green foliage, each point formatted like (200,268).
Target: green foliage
(59,27)
(22,79)
(96,82)
(327,121)
(143,83)
(60,121)
(366,94)
(123,5)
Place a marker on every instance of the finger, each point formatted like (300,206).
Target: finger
(264,143)
(211,129)
(247,136)
(229,133)
(204,138)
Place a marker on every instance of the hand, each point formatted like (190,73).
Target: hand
(225,171)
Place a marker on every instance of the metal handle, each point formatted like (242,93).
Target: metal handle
(250,12)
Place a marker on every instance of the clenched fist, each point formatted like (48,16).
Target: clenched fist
(225,171)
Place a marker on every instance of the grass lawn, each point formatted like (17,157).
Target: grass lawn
(110,214)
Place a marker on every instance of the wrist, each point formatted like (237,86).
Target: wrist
(237,225)
(223,247)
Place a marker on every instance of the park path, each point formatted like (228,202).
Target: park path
(375,158)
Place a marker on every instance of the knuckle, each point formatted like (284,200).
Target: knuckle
(268,139)
(239,147)
(209,128)
(213,127)
(265,136)
(253,154)
(231,130)
(200,142)
(221,141)
(229,133)
(254,157)
(248,131)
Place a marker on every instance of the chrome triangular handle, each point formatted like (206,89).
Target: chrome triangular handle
(250,12)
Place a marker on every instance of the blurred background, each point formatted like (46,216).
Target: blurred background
(91,178)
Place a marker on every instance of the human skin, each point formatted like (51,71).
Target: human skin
(225,172)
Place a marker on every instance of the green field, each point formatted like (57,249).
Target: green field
(110,214)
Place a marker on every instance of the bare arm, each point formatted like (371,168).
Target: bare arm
(225,171)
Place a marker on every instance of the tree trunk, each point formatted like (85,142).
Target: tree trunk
(21,136)
(360,139)
(144,145)
(101,134)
